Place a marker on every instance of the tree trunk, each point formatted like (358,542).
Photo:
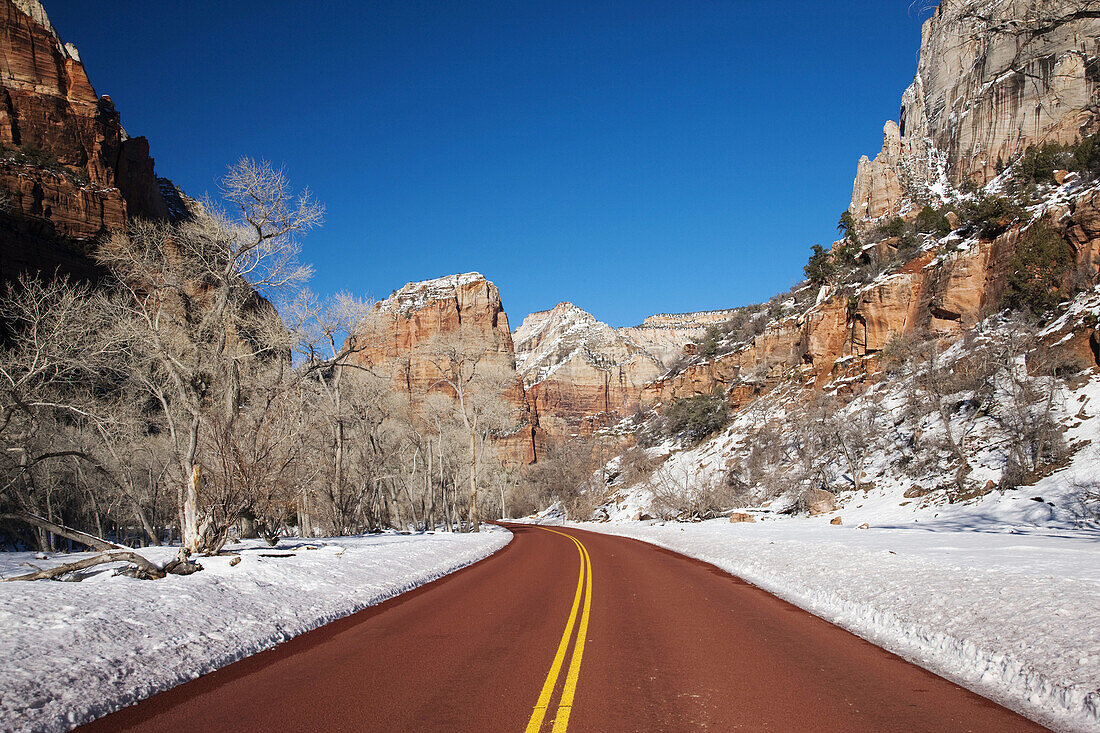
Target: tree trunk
(146,524)
(190,527)
(148,569)
(96,543)
(474,519)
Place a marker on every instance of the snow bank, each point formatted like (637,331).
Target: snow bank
(72,652)
(1014,616)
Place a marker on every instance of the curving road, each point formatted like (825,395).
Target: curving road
(571,630)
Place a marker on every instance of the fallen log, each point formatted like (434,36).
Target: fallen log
(96,543)
(144,568)
(182,565)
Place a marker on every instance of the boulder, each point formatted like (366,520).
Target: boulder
(837,521)
(822,502)
(738,517)
(916,491)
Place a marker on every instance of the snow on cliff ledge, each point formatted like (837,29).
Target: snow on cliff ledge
(416,295)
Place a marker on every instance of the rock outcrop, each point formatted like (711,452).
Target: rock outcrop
(993,77)
(665,335)
(68,170)
(464,310)
(580,374)
(941,295)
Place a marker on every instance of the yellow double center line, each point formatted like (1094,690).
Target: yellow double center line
(565,704)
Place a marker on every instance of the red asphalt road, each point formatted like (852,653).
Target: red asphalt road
(672,644)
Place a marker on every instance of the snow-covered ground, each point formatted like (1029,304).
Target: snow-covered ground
(999,591)
(1010,611)
(72,652)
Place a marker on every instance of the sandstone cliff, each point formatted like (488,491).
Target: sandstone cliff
(664,336)
(993,77)
(580,374)
(68,170)
(462,309)
(940,293)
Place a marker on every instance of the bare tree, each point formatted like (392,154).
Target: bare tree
(330,334)
(195,310)
(477,385)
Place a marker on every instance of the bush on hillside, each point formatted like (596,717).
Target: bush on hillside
(1038,163)
(820,267)
(932,221)
(846,252)
(712,339)
(847,225)
(895,227)
(991,216)
(1038,266)
(1086,155)
(695,418)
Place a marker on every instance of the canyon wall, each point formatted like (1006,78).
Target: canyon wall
(993,77)
(664,336)
(404,337)
(938,294)
(68,170)
(580,374)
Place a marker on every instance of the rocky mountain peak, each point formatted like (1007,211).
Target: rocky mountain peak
(547,338)
(37,13)
(417,295)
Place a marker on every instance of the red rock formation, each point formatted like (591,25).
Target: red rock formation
(462,308)
(939,295)
(48,107)
(580,374)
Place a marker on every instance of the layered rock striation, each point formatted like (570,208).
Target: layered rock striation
(406,332)
(939,294)
(68,170)
(994,76)
(580,374)
(664,336)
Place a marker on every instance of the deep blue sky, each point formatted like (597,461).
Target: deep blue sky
(631,156)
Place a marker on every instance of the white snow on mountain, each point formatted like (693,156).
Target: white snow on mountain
(547,339)
(415,295)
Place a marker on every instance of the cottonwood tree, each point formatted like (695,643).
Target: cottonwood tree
(61,350)
(573,472)
(195,313)
(330,336)
(464,369)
